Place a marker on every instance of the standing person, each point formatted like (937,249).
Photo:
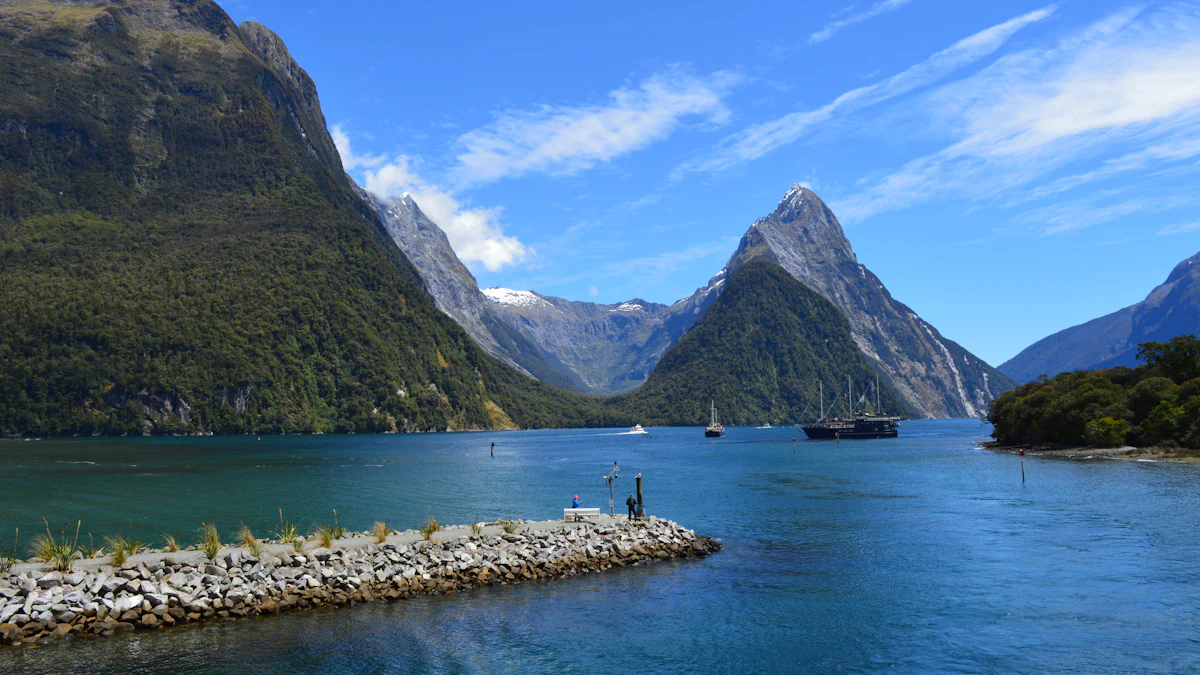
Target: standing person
(632,504)
(493,448)
(575,502)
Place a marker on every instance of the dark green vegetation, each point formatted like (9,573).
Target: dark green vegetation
(1155,404)
(181,251)
(759,352)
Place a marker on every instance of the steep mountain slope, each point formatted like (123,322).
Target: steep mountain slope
(759,352)
(456,293)
(180,249)
(611,348)
(933,375)
(1170,310)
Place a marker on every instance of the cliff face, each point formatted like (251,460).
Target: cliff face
(611,348)
(933,375)
(455,292)
(1170,310)
(181,251)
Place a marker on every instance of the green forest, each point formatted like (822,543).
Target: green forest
(1156,404)
(180,250)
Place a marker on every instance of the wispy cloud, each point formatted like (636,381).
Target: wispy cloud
(1128,84)
(656,268)
(1180,228)
(475,233)
(881,7)
(351,161)
(565,140)
(756,141)
(1098,208)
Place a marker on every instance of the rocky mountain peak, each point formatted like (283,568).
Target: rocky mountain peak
(1191,267)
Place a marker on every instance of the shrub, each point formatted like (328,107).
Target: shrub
(1106,432)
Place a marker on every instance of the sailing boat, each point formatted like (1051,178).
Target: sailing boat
(855,425)
(714,428)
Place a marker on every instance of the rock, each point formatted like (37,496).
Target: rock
(126,603)
(121,626)
(214,570)
(75,578)
(50,580)
(10,633)
(60,631)
(149,621)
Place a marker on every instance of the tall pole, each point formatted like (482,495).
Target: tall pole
(822,386)
(639,491)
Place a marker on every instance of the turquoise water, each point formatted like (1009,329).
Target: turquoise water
(921,553)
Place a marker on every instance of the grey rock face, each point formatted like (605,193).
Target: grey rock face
(1170,310)
(455,291)
(934,375)
(612,348)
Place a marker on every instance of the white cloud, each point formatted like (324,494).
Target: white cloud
(593,291)
(475,233)
(565,140)
(1097,208)
(1127,86)
(758,140)
(881,7)
(1179,228)
(350,161)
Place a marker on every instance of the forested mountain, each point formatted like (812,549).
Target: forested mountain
(1171,309)
(932,374)
(760,352)
(180,249)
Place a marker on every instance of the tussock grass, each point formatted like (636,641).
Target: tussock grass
(170,544)
(511,526)
(298,544)
(429,528)
(7,561)
(476,528)
(324,536)
(91,550)
(210,540)
(245,537)
(256,549)
(338,530)
(121,548)
(380,531)
(57,552)
(287,532)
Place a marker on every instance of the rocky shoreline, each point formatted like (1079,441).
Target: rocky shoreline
(159,590)
(1092,452)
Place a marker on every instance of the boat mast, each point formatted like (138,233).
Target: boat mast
(821,386)
(850,396)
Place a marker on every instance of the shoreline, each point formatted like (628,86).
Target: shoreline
(158,590)
(1127,452)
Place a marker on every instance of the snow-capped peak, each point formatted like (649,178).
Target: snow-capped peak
(630,307)
(507,296)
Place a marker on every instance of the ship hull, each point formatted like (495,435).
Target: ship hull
(825,434)
(713,434)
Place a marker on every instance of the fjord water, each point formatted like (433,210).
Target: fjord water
(922,553)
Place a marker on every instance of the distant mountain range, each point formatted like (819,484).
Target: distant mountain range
(1170,310)
(614,348)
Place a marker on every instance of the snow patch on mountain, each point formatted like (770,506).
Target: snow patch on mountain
(507,296)
(629,307)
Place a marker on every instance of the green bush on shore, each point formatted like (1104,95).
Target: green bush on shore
(1155,404)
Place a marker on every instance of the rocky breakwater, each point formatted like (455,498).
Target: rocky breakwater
(169,589)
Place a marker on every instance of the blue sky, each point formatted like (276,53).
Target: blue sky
(1007,169)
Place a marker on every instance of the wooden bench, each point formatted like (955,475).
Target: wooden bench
(580,513)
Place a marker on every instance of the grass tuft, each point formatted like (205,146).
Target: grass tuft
(170,544)
(245,537)
(476,528)
(298,544)
(511,526)
(59,554)
(338,530)
(287,532)
(380,531)
(431,525)
(210,540)
(324,536)
(7,561)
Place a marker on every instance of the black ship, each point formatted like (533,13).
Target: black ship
(855,425)
(714,428)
